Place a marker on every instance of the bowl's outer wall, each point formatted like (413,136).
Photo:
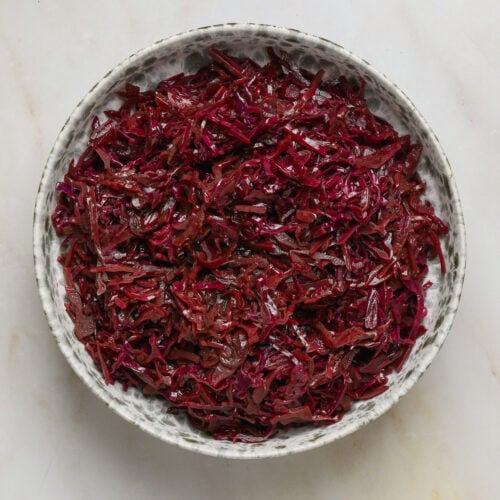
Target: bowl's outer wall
(187,52)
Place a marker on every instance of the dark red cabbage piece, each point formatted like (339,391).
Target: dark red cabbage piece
(249,243)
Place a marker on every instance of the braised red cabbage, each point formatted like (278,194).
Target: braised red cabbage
(250,243)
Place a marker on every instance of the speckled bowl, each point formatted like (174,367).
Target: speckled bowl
(187,52)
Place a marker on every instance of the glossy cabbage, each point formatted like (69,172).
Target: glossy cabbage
(250,243)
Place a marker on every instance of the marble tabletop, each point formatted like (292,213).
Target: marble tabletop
(442,441)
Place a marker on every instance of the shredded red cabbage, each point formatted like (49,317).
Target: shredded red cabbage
(249,243)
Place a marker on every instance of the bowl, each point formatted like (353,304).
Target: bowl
(187,52)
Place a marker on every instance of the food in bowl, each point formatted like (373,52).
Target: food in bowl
(249,242)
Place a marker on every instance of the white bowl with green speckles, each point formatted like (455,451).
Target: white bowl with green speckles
(187,52)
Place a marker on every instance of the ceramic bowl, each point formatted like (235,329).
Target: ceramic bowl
(187,52)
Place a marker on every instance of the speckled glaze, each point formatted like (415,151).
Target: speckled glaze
(187,52)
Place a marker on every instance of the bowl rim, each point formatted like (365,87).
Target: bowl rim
(49,307)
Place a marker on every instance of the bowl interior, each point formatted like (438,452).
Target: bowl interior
(187,52)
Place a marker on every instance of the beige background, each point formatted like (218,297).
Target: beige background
(441,442)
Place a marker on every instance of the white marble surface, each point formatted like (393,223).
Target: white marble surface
(441,442)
